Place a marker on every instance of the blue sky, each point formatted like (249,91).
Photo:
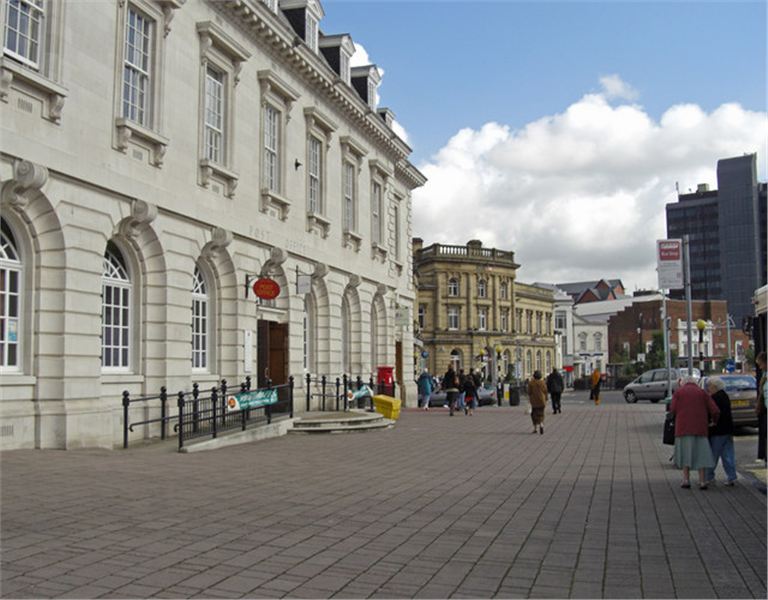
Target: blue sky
(450,65)
(559,130)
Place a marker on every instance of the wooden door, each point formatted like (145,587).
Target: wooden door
(272,340)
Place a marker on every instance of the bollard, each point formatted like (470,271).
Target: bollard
(163,413)
(180,404)
(214,402)
(290,393)
(126,402)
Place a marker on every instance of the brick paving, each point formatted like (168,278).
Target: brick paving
(436,507)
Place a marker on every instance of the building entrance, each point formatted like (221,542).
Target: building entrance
(272,345)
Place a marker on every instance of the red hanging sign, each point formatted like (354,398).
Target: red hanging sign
(266,288)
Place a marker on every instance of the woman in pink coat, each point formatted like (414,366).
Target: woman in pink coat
(694,409)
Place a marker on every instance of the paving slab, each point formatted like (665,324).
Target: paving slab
(590,509)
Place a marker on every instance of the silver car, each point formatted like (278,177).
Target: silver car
(652,385)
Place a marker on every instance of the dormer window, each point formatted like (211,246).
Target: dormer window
(338,50)
(311,33)
(366,81)
(304,16)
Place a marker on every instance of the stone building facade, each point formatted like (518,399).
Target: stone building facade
(472,312)
(156,157)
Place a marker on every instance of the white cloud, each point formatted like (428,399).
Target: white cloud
(580,194)
(615,87)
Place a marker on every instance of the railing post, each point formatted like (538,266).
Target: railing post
(243,389)
(163,413)
(126,402)
(346,392)
(214,402)
(290,394)
(338,386)
(223,401)
(195,407)
(359,383)
(268,407)
(308,380)
(247,383)
(322,387)
(180,404)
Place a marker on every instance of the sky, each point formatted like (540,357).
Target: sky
(559,130)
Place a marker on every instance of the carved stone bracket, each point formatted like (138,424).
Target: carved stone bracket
(168,6)
(220,240)
(321,270)
(355,280)
(382,289)
(142,214)
(277,257)
(27,177)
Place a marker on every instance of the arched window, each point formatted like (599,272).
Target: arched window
(583,342)
(345,337)
(538,361)
(528,362)
(549,361)
(504,290)
(453,287)
(598,342)
(456,359)
(482,289)
(200,322)
(116,292)
(10,299)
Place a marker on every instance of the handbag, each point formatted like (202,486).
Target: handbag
(668,437)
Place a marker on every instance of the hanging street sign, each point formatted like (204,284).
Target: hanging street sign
(266,288)
(254,399)
(669,264)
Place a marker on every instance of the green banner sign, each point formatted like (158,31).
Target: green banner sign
(254,399)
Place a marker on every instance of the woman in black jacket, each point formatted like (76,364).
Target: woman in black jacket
(721,434)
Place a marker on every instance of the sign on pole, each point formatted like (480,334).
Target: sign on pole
(669,261)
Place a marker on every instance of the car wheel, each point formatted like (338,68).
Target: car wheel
(630,397)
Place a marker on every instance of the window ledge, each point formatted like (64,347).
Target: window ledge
(121,378)
(127,130)
(12,379)
(352,240)
(51,93)
(378,251)
(210,169)
(270,199)
(319,222)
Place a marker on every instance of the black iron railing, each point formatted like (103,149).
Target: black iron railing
(202,413)
(334,394)
(207,415)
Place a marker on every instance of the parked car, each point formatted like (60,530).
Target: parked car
(742,390)
(652,385)
(484,397)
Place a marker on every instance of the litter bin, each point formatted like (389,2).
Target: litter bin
(387,406)
(385,379)
(514,395)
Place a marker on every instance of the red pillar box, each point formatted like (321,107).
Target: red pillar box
(385,378)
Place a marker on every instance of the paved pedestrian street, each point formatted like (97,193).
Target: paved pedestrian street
(436,507)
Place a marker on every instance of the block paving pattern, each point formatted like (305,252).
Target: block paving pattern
(437,507)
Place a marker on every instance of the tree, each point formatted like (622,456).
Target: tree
(654,358)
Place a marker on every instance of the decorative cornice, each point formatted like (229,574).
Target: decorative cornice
(27,177)
(262,23)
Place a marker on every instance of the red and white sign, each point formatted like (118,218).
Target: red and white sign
(669,264)
(266,288)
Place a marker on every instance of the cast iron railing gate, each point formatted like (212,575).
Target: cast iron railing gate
(333,394)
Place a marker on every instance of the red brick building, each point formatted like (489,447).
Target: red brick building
(633,328)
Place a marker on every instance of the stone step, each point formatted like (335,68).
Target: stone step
(340,422)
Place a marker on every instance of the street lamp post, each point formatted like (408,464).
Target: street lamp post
(701,325)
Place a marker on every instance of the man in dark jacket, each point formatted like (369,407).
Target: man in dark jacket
(555,388)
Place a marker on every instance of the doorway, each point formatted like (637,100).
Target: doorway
(272,351)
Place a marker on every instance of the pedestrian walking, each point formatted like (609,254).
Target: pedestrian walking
(460,405)
(594,387)
(721,433)
(450,384)
(470,394)
(424,384)
(694,409)
(537,397)
(555,388)
(760,408)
